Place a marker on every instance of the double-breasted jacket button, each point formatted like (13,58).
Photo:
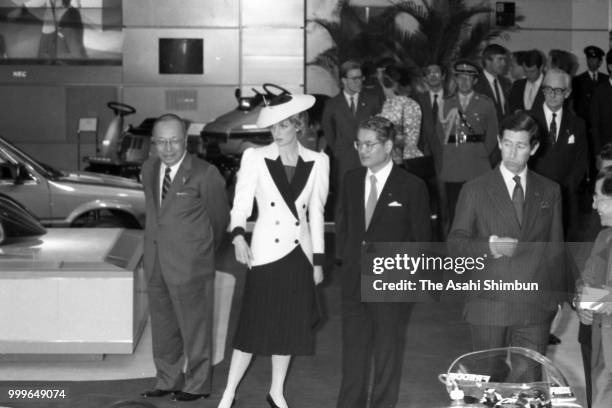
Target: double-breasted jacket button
(297,223)
(296,241)
(276,240)
(272,204)
(277,222)
(303,205)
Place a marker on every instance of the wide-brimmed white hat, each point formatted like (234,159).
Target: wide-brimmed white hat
(282,107)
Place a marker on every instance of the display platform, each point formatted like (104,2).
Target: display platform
(73,291)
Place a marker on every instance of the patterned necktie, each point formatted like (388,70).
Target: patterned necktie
(498,97)
(371,202)
(434,108)
(518,198)
(166,183)
(352,106)
(552,129)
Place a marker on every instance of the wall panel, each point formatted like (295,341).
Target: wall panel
(183,13)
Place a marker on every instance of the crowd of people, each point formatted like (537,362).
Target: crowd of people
(497,154)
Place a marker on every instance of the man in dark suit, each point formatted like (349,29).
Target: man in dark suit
(600,118)
(431,102)
(186,215)
(562,156)
(381,203)
(341,116)
(512,216)
(527,92)
(492,82)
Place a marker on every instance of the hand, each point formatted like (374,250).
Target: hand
(585,316)
(503,246)
(605,308)
(242,251)
(317,274)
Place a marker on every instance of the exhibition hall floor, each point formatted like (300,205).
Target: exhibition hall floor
(435,336)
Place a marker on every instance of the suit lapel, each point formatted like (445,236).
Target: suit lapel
(156,183)
(501,199)
(181,175)
(277,171)
(564,129)
(532,201)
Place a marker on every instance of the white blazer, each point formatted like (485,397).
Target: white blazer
(282,221)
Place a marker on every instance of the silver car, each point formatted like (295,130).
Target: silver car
(69,199)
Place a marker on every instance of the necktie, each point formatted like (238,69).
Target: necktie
(434,108)
(594,74)
(552,129)
(353,105)
(371,202)
(518,198)
(166,183)
(498,97)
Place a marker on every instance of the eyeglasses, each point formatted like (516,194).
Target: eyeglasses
(368,145)
(355,79)
(547,90)
(168,142)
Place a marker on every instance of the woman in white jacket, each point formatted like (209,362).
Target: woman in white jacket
(290,184)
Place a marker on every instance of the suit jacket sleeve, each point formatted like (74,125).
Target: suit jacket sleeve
(421,213)
(316,208)
(213,188)
(329,125)
(342,221)
(464,239)
(244,193)
(492,128)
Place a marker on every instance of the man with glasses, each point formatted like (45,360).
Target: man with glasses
(341,116)
(186,215)
(380,203)
(562,155)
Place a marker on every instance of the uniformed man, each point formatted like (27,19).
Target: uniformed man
(468,132)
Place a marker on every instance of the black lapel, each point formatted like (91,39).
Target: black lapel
(532,201)
(277,171)
(564,129)
(302,172)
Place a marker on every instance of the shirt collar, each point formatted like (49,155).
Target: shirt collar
(548,113)
(382,174)
(490,77)
(174,168)
(508,177)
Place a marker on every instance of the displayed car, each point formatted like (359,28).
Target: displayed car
(16,221)
(69,199)
(502,378)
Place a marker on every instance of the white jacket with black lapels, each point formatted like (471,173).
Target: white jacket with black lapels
(289,213)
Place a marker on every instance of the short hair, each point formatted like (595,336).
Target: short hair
(556,71)
(443,69)
(384,128)
(606,152)
(605,174)
(564,60)
(396,75)
(492,50)
(348,66)
(171,117)
(521,121)
(533,58)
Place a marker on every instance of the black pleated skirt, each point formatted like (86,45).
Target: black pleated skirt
(279,310)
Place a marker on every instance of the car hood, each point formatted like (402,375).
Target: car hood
(96,179)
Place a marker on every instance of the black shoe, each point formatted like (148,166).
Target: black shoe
(187,396)
(271,401)
(553,340)
(156,393)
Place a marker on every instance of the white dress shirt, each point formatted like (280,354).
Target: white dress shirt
(548,115)
(348,97)
(531,90)
(508,177)
(381,178)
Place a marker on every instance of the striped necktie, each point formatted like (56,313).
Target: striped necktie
(166,183)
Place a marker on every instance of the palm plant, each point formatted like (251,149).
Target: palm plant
(446,30)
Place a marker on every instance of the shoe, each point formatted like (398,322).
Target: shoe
(271,401)
(156,393)
(553,340)
(187,396)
